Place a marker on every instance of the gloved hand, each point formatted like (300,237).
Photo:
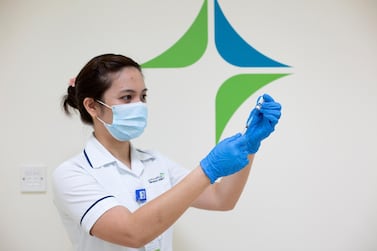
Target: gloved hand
(263,122)
(226,158)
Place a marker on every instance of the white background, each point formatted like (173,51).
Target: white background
(313,184)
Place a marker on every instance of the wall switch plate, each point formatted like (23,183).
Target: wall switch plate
(33,179)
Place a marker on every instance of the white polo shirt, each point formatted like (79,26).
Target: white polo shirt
(89,184)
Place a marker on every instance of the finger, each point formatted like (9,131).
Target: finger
(272,119)
(275,113)
(234,137)
(269,124)
(241,143)
(270,106)
(256,120)
(254,117)
(267,98)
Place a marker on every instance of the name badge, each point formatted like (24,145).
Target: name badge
(141,195)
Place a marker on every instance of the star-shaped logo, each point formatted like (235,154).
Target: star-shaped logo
(233,49)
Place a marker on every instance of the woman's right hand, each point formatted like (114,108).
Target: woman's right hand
(227,157)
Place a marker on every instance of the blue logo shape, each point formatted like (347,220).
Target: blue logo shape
(234,49)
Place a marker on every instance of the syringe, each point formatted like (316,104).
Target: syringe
(258,106)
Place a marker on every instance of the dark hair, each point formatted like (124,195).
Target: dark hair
(93,80)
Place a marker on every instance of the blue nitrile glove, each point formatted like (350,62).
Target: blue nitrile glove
(263,122)
(226,158)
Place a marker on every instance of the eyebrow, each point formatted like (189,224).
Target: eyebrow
(133,91)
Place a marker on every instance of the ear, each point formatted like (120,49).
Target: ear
(91,106)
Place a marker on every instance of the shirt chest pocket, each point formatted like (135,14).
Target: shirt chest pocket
(113,182)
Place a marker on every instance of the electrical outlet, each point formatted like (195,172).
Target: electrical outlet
(33,179)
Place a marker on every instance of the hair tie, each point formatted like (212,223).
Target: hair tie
(72,82)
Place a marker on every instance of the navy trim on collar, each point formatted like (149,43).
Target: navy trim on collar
(87,159)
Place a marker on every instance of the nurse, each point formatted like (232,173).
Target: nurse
(113,196)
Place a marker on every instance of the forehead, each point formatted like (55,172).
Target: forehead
(127,78)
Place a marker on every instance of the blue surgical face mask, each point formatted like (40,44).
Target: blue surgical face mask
(129,120)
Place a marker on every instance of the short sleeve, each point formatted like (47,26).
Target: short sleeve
(79,196)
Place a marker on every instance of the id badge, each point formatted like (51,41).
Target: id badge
(141,195)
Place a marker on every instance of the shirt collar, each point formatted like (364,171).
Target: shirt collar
(99,156)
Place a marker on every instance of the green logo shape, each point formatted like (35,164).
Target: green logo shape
(234,91)
(188,49)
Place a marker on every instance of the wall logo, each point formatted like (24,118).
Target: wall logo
(233,49)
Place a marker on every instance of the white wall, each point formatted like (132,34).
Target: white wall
(313,185)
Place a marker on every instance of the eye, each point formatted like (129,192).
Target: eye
(127,98)
(143,98)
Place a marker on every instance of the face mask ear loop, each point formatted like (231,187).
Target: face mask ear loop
(103,122)
(102,103)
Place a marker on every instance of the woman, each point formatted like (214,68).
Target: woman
(113,196)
